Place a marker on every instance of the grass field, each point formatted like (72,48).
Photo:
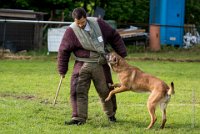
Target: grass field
(28,87)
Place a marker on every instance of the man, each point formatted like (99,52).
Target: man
(87,38)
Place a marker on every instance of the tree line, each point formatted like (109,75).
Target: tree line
(129,11)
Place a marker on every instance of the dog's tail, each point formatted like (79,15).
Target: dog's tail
(171,90)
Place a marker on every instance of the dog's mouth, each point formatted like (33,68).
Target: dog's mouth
(111,59)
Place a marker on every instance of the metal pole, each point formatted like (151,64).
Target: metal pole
(193,108)
(35,21)
(4,38)
(58,89)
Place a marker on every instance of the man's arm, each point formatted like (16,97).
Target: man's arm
(64,52)
(112,37)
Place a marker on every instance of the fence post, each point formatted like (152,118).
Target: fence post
(4,38)
(193,108)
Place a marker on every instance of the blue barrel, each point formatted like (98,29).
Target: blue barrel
(169,15)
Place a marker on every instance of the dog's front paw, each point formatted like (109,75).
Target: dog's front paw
(107,99)
(110,86)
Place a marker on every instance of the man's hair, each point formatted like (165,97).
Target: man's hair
(78,13)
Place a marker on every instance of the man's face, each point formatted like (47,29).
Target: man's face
(81,23)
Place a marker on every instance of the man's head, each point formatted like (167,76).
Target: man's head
(79,16)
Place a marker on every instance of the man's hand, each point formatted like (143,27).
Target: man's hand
(62,75)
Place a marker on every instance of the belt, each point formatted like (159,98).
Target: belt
(100,60)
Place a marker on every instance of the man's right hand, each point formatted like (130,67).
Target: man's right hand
(62,75)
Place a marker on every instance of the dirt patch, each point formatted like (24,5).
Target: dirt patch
(23,97)
(6,54)
(163,59)
(16,57)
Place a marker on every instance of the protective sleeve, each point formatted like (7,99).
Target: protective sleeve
(112,37)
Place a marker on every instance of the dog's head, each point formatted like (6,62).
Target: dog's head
(113,60)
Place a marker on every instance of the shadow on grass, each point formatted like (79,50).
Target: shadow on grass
(124,124)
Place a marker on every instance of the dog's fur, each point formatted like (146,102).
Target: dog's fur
(133,79)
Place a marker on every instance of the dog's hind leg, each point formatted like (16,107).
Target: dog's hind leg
(163,107)
(151,105)
(151,108)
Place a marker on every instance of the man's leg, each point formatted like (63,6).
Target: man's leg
(73,97)
(73,86)
(83,85)
(113,99)
(107,73)
(102,89)
(79,97)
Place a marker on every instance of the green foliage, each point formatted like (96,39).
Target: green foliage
(135,11)
(192,13)
(166,52)
(22,3)
(117,11)
(140,11)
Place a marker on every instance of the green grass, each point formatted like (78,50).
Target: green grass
(28,87)
(166,52)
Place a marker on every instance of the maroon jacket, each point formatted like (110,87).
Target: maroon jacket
(70,43)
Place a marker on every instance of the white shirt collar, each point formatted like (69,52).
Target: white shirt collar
(87,27)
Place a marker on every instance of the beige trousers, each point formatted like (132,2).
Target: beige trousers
(91,72)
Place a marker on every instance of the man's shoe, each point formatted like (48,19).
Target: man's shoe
(112,119)
(74,122)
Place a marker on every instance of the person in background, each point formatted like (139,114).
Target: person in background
(88,38)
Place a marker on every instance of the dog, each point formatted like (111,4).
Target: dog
(133,79)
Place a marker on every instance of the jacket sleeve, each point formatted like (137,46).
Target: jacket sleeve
(112,37)
(64,52)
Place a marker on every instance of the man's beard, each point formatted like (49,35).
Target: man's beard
(83,27)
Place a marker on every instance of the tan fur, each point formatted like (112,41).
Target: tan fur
(133,79)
